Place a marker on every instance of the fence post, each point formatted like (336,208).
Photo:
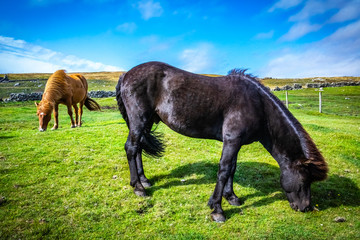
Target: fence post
(286,99)
(320,100)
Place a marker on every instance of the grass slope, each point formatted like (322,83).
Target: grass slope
(74,183)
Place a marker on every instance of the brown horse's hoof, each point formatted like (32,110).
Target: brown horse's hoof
(140,193)
(73,126)
(218,217)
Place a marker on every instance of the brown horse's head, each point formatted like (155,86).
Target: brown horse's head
(44,110)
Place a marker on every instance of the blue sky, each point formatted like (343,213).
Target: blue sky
(279,38)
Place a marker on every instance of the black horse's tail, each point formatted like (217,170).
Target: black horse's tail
(120,101)
(91,104)
(151,142)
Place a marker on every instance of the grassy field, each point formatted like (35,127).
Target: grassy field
(74,183)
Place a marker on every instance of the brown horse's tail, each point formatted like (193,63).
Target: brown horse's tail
(92,105)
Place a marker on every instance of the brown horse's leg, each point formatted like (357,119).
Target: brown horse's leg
(56,117)
(81,105)
(76,110)
(69,107)
(228,159)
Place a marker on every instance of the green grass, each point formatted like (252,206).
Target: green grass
(74,183)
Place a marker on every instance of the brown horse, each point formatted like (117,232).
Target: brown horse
(68,90)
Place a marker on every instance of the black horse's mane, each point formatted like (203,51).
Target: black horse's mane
(241,72)
(314,159)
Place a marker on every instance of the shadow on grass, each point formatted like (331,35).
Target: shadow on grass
(6,137)
(265,179)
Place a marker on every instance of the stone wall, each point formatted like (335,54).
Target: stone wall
(338,84)
(316,85)
(20,97)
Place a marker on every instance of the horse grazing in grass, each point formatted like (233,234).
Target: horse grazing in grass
(235,109)
(68,90)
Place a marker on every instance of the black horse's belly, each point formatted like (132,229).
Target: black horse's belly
(198,126)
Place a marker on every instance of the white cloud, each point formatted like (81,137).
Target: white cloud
(285,4)
(299,30)
(348,12)
(47,2)
(97,1)
(307,21)
(335,55)
(311,63)
(150,9)
(198,59)
(154,44)
(128,27)
(310,9)
(350,31)
(18,56)
(266,35)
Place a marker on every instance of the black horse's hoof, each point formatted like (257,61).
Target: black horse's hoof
(146,184)
(218,217)
(235,201)
(140,193)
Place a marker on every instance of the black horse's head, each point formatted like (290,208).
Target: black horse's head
(296,185)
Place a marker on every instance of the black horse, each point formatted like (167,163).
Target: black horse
(235,109)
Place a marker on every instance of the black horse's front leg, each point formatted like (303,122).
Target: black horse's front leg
(226,168)
(228,192)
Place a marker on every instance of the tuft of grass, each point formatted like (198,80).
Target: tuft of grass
(74,183)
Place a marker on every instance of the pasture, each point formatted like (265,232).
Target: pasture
(74,183)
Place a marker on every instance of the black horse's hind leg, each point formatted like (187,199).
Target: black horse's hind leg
(228,192)
(132,148)
(227,161)
(140,170)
